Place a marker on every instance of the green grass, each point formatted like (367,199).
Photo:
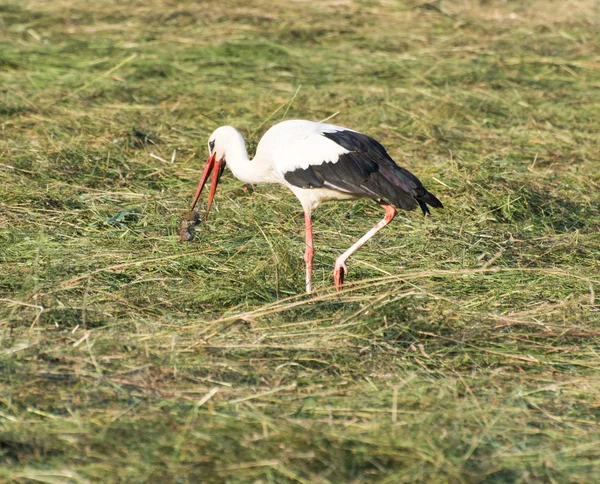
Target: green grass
(465,345)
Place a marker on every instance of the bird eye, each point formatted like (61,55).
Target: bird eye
(211,145)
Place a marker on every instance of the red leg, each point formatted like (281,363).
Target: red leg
(340,269)
(309,252)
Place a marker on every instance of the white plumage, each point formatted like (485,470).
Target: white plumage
(318,162)
(303,144)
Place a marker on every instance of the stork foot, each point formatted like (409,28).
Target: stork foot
(339,271)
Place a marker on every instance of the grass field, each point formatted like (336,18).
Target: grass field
(465,346)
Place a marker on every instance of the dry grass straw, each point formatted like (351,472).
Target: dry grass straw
(464,345)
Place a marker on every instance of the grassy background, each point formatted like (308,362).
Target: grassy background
(465,346)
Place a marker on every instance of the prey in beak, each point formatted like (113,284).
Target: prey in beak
(216,167)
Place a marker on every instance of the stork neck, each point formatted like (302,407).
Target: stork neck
(244,169)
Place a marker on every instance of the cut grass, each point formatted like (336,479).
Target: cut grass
(464,346)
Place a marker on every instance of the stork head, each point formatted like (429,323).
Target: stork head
(217,146)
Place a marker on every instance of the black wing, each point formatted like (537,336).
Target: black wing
(366,170)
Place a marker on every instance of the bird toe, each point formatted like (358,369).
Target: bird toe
(339,272)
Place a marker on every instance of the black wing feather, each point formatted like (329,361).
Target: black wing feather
(366,170)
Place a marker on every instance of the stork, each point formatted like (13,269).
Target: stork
(318,162)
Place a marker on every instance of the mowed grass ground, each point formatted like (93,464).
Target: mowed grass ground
(465,347)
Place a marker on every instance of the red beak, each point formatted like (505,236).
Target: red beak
(217,168)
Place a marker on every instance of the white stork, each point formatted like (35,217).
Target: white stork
(318,162)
